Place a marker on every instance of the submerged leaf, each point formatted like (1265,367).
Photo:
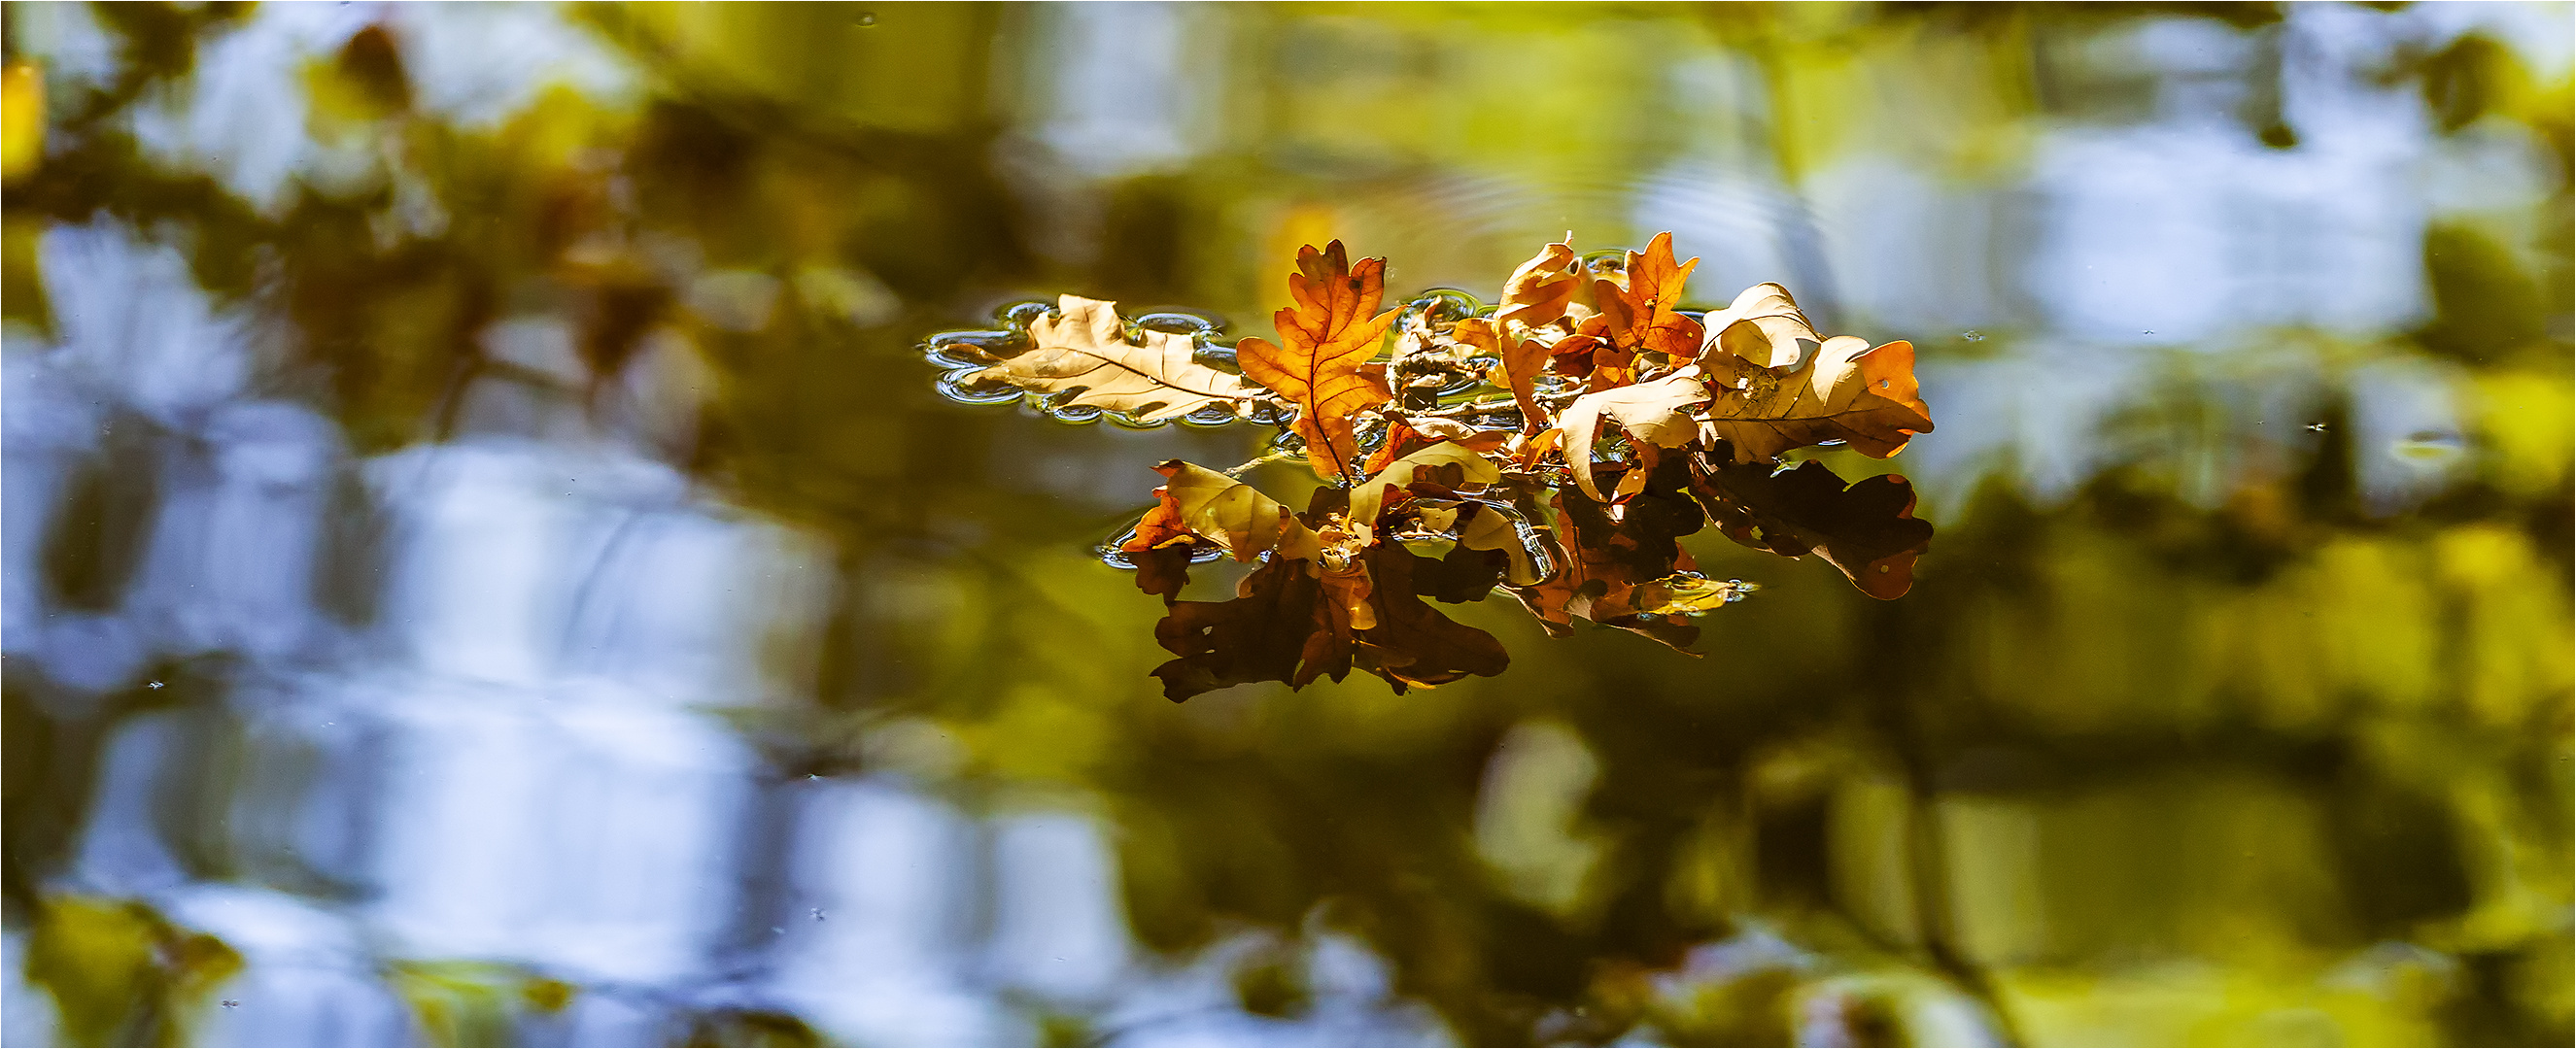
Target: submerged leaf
(1083,351)
(1333,329)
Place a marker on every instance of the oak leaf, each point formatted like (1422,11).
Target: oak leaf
(1644,311)
(1234,515)
(1329,334)
(1539,291)
(1848,391)
(1162,547)
(1763,325)
(1083,351)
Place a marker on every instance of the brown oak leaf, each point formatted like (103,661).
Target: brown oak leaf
(1849,391)
(1329,334)
(1083,351)
(1539,291)
(1867,529)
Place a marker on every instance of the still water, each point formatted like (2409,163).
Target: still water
(489,564)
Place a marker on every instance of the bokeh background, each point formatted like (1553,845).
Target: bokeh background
(485,561)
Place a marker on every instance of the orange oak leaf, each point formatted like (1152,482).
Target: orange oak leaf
(1329,334)
(1644,312)
(1163,525)
(1162,547)
(1083,351)
(1401,438)
(1849,391)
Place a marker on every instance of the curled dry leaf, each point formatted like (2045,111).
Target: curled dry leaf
(1653,413)
(1083,351)
(1763,326)
(1540,290)
(1328,335)
(1234,515)
(1850,392)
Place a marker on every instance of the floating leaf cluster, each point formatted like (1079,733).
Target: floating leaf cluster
(1557,445)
